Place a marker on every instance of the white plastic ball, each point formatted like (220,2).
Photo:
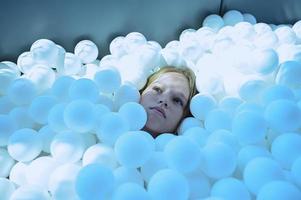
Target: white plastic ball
(6,163)
(79,116)
(286,35)
(133,149)
(6,188)
(286,149)
(112,126)
(86,50)
(117,46)
(30,192)
(67,147)
(100,153)
(259,172)
(84,89)
(265,61)
(213,21)
(135,114)
(18,174)
(168,184)
(72,65)
(134,40)
(94,181)
(24,145)
(40,107)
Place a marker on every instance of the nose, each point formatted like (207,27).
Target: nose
(164,103)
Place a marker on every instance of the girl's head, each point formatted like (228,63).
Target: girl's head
(166,98)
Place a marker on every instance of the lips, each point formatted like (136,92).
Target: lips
(159,110)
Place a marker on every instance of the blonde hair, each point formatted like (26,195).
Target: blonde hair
(188,73)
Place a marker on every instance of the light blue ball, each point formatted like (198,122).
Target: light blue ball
(260,171)
(182,154)
(126,93)
(215,156)
(79,116)
(248,106)
(252,90)
(40,107)
(283,115)
(296,172)
(56,117)
(94,181)
(84,89)
(230,188)
(130,191)
(168,184)
(100,110)
(213,21)
(108,80)
(229,104)
(218,119)
(21,117)
(289,74)
(61,87)
(279,190)
(198,135)
(112,126)
(127,175)
(201,104)
(21,91)
(133,149)
(224,136)
(286,148)
(248,153)
(249,127)
(135,114)
(188,123)
(162,139)
(276,92)
(233,17)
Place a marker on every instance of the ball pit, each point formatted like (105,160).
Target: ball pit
(71,125)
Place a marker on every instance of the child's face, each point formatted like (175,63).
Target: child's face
(165,100)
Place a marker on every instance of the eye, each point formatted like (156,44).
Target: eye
(157,89)
(178,101)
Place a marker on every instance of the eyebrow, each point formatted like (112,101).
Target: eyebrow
(177,93)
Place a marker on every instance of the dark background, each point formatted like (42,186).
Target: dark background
(66,22)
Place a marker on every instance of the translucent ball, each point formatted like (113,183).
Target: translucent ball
(72,65)
(198,135)
(107,75)
(224,136)
(289,74)
(182,154)
(84,89)
(135,114)
(24,145)
(6,163)
(42,76)
(162,139)
(25,61)
(100,153)
(21,91)
(134,40)
(40,107)
(165,181)
(218,119)
(153,165)
(249,18)
(133,149)
(297,29)
(6,105)
(67,147)
(286,35)
(7,76)
(130,191)
(233,17)
(213,21)
(252,90)
(286,149)
(117,46)
(46,134)
(60,86)
(127,175)
(283,115)
(126,93)
(260,171)
(7,127)
(21,117)
(188,123)
(62,182)
(225,188)
(44,52)
(39,170)
(56,117)
(30,192)
(296,173)
(266,61)
(201,104)
(249,127)
(280,190)
(86,50)
(215,156)
(6,188)
(249,152)
(94,181)
(111,127)
(79,116)
(276,92)
(18,174)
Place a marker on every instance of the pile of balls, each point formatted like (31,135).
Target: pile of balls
(70,125)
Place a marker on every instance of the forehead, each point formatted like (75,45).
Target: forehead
(175,81)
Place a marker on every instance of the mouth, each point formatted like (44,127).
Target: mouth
(159,110)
